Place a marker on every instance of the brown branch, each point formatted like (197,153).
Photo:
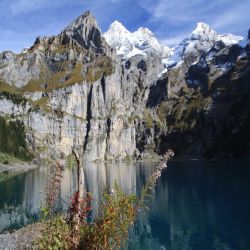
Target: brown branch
(78,169)
(78,205)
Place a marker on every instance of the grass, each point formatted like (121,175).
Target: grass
(6,87)
(162,111)
(33,85)
(101,66)
(76,75)
(43,102)
(8,159)
(148,119)
(65,73)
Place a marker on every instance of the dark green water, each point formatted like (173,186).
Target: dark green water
(196,205)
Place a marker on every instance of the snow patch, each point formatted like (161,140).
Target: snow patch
(129,44)
(201,39)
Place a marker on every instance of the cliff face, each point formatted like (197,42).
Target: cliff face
(74,90)
(209,115)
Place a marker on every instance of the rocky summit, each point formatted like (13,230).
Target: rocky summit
(123,95)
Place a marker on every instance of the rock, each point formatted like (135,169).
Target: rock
(85,31)
(80,92)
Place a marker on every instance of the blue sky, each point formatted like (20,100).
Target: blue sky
(23,20)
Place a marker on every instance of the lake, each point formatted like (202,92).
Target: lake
(196,205)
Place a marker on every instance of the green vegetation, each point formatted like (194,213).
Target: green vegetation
(41,102)
(64,73)
(69,73)
(32,86)
(108,231)
(7,159)
(14,97)
(162,111)
(117,212)
(75,75)
(11,93)
(128,158)
(148,119)
(183,113)
(101,66)
(231,139)
(12,139)
(4,87)
(41,105)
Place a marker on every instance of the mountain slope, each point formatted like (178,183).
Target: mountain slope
(102,94)
(201,40)
(59,60)
(128,44)
(204,110)
(76,93)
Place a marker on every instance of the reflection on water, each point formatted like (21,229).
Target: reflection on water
(196,205)
(23,196)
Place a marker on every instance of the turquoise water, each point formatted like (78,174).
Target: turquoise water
(196,204)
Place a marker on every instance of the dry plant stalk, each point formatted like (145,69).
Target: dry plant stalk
(110,229)
(78,211)
(163,163)
(54,187)
(153,178)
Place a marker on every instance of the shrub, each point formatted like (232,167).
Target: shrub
(109,230)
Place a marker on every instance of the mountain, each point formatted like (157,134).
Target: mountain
(129,44)
(202,98)
(123,95)
(199,41)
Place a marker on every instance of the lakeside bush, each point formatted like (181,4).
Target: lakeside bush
(116,215)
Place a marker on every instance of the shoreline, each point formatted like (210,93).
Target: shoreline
(21,238)
(16,167)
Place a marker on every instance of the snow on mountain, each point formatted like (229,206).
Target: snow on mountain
(142,41)
(230,39)
(129,44)
(200,40)
(203,32)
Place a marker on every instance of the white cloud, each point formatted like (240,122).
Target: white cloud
(173,40)
(26,6)
(23,6)
(176,10)
(234,19)
(181,15)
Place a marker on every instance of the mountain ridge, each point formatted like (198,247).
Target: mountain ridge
(75,90)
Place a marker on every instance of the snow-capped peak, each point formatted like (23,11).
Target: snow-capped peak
(200,41)
(203,32)
(229,39)
(145,32)
(117,27)
(129,44)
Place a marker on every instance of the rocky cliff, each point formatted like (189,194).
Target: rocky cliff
(125,97)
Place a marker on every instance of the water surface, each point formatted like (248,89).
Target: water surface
(196,204)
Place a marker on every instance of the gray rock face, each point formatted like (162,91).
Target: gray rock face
(98,116)
(85,31)
(209,115)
